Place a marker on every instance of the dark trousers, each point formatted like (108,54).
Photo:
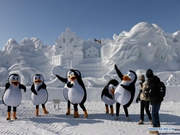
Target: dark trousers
(144,106)
(9,109)
(155,114)
(37,106)
(81,105)
(118,108)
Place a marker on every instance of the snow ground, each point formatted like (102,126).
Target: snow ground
(98,123)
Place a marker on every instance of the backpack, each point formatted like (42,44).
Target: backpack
(162,89)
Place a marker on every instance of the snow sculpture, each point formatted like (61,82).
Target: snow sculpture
(27,45)
(92,52)
(23,59)
(176,40)
(144,46)
(10,54)
(38,44)
(176,36)
(68,50)
(68,43)
(173,80)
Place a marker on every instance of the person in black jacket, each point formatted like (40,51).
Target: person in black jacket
(155,98)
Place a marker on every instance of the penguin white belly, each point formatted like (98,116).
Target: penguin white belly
(108,100)
(75,94)
(65,92)
(12,97)
(40,98)
(122,95)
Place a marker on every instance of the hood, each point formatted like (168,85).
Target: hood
(149,73)
(141,77)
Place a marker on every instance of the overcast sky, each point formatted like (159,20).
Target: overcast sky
(89,19)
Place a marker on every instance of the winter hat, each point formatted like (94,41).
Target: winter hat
(141,77)
(149,73)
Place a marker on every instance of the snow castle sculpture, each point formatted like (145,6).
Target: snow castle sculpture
(144,46)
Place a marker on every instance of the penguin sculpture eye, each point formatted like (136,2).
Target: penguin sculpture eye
(72,74)
(110,87)
(35,77)
(129,74)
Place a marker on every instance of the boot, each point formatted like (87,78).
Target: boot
(140,122)
(45,111)
(68,111)
(107,110)
(128,119)
(116,118)
(112,111)
(37,111)
(8,116)
(76,115)
(85,114)
(14,115)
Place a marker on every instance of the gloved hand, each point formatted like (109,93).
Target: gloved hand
(136,100)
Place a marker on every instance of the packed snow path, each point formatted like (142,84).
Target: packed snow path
(98,123)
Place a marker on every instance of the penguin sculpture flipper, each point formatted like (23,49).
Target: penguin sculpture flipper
(21,86)
(83,86)
(33,89)
(81,83)
(109,96)
(62,79)
(118,72)
(43,86)
(7,86)
(106,93)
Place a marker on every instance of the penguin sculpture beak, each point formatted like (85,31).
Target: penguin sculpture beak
(72,78)
(37,81)
(112,90)
(126,78)
(15,82)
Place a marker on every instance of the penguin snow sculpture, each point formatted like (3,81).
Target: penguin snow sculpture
(74,91)
(107,95)
(39,95)
(12,95)
(125,91)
